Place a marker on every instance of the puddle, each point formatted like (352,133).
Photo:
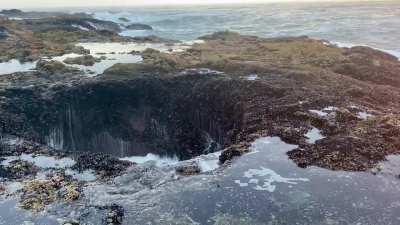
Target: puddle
(114,53)
(314,135)
(117,53)
(14,66)
(100,67)
(86,175)
(44,162)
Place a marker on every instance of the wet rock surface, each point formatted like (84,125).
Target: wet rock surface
(138,26)
(104,165)
(222,94)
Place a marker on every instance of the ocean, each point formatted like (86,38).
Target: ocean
(373,24)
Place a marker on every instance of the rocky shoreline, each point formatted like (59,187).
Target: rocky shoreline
(220,94)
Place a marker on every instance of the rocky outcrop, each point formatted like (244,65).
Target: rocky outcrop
(138,26)
(30,39)
(54,67)
(253,87)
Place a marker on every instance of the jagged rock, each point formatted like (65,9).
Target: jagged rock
(232,152)
(54,67)
(71,223)
(163,110)
(124,19)
(104,165)
(188,169)
(138,26)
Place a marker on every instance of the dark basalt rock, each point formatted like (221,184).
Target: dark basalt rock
(188,169)
(104,165)
(232,152)
(115,214)
(169,106)
(124,19)
(138,26)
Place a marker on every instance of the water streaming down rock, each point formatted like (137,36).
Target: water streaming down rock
(136,118)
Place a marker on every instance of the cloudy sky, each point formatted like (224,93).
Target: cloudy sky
(83,3)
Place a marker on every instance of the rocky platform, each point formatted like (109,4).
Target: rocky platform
(220,94)
(28,36)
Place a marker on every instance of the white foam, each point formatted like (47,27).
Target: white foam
(208,162)
(268,178)
(158,160)
(349,45)
(80,27)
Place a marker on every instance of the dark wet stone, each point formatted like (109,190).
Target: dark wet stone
(231,152)
(188,169)
(104,165)
(138,26)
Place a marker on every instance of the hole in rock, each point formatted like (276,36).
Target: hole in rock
(170,118)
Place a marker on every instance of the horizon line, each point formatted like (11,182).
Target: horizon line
(155,5)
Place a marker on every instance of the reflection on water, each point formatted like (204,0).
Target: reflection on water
(14,65)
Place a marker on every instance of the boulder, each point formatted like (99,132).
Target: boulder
(124,19)
(52,67)
(191,168)
(138,26)
(232,152)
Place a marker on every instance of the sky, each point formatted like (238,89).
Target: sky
(83,3)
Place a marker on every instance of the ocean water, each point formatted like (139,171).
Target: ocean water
(373,24)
